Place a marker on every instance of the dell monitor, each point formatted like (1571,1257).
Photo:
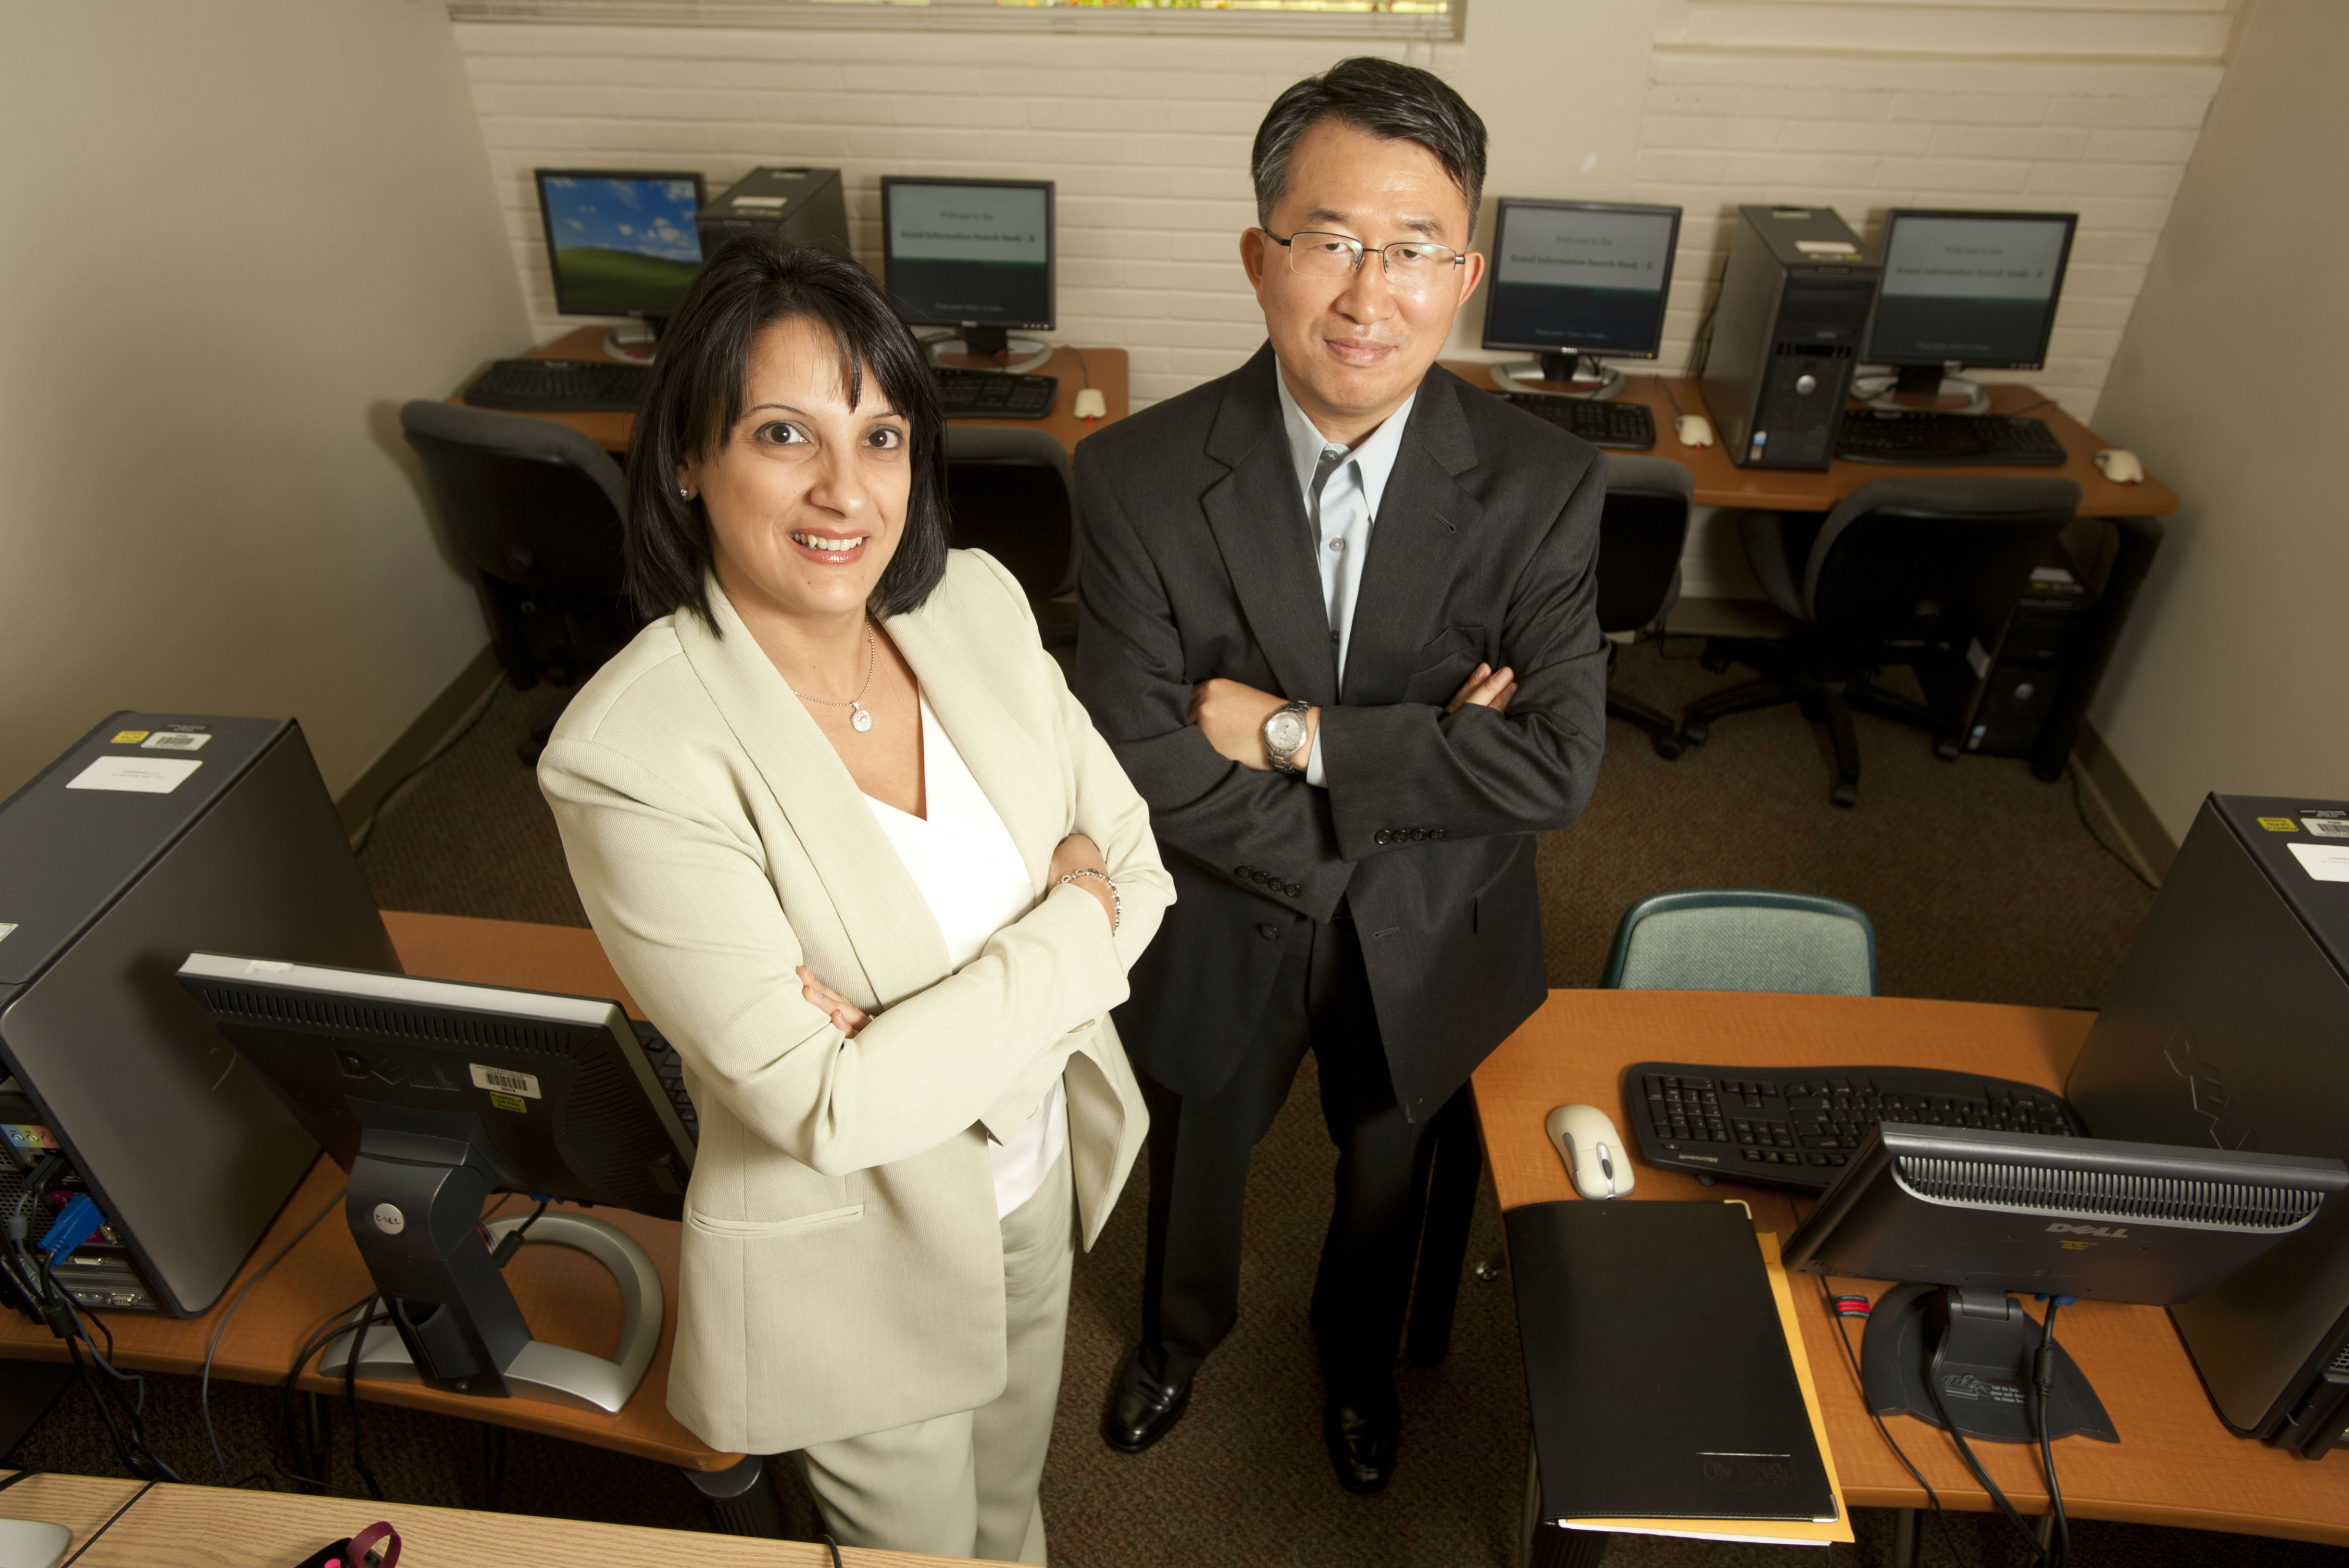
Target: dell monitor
(1960,1217)
(974,254)
(620,243)
(434,1095)
(1573,281)
(1965,289)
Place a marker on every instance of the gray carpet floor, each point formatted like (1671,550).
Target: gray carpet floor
(1984,884)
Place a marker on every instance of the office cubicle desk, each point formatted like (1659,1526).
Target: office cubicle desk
(194,1526)
(2176,1463)
(1106,367)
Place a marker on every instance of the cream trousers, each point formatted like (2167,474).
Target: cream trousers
(965,1485)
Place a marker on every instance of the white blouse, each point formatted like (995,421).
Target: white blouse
(969,872)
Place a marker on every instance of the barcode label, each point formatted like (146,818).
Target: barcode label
(173,740)
(498,1081)
(2327,827)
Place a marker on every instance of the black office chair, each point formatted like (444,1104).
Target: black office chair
(535,507)
(1012,493)
(1642,532)
(1903,571)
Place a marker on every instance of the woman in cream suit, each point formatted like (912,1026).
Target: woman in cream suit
(855,849)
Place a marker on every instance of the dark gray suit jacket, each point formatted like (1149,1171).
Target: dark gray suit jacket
(1199,561)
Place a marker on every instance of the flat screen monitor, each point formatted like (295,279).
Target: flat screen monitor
(1969,288)
(1576,279)
(973,254)
(1961,1217)
(620,243)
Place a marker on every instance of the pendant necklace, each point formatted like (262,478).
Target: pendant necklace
(857,717)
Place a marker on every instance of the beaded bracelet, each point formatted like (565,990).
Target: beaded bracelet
(1116,904)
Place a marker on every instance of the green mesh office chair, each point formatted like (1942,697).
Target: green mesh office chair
(1744,938)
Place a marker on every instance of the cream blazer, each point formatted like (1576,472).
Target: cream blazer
(842,1267)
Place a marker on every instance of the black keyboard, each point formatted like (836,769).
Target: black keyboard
(1623,427)
(1798,1127)
(994,395)
(669,1068)
(561,386)
(1887,435)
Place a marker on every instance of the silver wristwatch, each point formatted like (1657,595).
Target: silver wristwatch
(1283,734)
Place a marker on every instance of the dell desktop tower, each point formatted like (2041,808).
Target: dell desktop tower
(792,206)
(2228,1026)
(1787,327)
(156,835)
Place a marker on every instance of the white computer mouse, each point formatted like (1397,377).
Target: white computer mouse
(1593,1150)
(1091,404)
(2121,466)
(1695,429)
(32,1543)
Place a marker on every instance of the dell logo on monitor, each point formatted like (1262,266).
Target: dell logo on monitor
(2109,1232)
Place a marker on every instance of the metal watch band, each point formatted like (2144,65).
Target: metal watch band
(1277,756)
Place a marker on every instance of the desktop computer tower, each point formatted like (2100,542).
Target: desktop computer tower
(1794,307)
(2229,1026)
(155,835)
(797,206)
(2001,691)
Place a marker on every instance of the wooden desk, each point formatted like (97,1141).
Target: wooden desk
(2176,1464)
(1108,368)
(217,1527)
(569,1299)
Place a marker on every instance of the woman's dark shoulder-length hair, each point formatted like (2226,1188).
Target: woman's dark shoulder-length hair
(696,396)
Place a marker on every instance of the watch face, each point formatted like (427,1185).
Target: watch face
(1285,730)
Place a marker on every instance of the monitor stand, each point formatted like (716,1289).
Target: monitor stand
(413,1206)
(634,342)
(1979,1346)
(988,349)
(1922,388)
(1561,376)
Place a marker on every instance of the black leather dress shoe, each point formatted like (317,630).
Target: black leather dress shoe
(1363,1435)
(1142,1407)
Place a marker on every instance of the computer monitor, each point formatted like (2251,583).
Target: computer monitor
(971,254)
(620,243)
(434,1095)
(1576,280)
(1961,1217)
(1966,289)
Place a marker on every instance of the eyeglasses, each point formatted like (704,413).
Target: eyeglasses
(1411,266)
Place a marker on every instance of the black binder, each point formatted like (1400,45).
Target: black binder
(1661,1383)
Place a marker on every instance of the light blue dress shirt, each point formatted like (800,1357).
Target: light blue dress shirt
(1343,490)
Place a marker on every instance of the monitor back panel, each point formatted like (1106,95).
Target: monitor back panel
(2228,1026)
(182,1144)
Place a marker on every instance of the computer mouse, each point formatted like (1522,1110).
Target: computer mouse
(1593,1150)
(32,1543)
(2121,466)
(1695,429)
(1091,404)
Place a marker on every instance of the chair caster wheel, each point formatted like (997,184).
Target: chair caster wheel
(1946,749)
(1691,735)
(1669,747)
(1846,796)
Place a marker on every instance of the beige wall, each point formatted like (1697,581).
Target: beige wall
(2229,383)
(239,236)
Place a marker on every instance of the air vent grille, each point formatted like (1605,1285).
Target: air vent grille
(381,1021)
(2040,1190)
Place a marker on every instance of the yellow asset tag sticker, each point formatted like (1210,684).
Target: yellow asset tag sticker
(513,1103)
(127,737)
(2279,825)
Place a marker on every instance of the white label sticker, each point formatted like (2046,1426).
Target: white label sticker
(141,775)
(761,201)
(2327,827)
(173,740)
(497,1080)
(2326,862)
(1826,247)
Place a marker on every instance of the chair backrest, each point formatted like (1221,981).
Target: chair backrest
(1012,493)
(525,499)
(1744,938)
(1917,558)
(1642,528)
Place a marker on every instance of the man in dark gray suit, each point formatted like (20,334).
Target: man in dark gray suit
(1338,626)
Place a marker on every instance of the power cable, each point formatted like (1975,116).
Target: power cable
(205,1383)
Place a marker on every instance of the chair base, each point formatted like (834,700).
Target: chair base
(1664,729)
(1829,686)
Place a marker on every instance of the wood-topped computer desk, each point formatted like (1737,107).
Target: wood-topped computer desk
(1104,370)
(2114,562)
(2176,1463)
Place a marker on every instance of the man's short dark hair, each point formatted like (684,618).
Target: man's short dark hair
(696,395)
(1384,97)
